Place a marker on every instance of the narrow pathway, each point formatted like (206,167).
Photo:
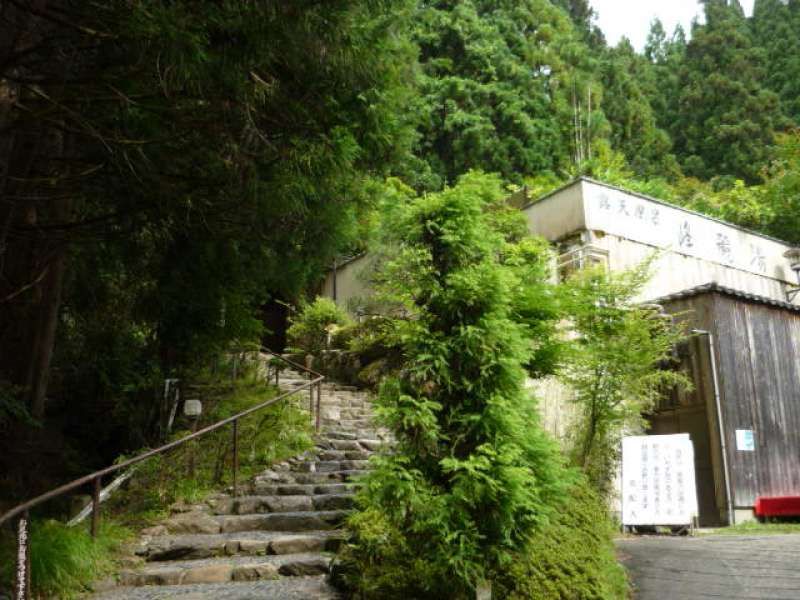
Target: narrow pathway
(733,567)
(277,540)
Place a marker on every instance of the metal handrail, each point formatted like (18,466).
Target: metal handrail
(22,586)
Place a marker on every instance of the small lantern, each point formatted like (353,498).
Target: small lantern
(193,408)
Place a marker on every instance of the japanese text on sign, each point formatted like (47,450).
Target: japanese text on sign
(658,484)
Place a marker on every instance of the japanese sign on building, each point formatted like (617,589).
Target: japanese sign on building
(658,484)
(668,227)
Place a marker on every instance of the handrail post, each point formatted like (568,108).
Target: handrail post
(319,403)
(22,584)
(96,507)
(311,402)
(235,456)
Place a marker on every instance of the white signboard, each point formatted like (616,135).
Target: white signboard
(745,441)
(658,483)
(655,224)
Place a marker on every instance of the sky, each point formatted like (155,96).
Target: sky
(631,18)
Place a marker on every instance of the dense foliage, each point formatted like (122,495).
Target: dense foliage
(497,78)
(169,168)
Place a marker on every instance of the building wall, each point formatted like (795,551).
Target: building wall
(348,284)
(558,214)
(675,272)
(757,349)
(759,360)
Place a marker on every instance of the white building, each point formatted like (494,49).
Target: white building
(590,221)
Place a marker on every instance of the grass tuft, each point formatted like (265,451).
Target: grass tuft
(758,528)
(65,560)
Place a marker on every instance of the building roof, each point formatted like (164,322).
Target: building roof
(714,287)
(652,199)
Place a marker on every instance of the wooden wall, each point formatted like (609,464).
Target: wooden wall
(758,358)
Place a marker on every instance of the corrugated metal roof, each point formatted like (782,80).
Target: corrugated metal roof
(713,286)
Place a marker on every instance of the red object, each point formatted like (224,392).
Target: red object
(778,506)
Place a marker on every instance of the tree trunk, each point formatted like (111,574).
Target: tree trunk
(42,350)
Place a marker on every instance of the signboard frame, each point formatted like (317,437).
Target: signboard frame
(658,485)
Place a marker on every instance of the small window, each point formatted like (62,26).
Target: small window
(580,258)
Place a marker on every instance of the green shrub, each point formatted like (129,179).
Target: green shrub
(472,475)
(65,560)
(315,324)
(571,558)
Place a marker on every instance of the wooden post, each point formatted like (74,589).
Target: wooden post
(96,507)
(311,402)
(22,585)
(235,456)
(319,403)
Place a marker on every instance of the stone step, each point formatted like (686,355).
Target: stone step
(325,477)
(291,475)
(298,489)
(325,454)
(337,435)
(286,588)
(245,505)
(340,405)
(327,466)
(247,543)
(286,521)
(336,414)
(220,570)
(344,445)
(372,444)
(353,423)
(378,434)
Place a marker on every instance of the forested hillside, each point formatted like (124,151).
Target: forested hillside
(170,171)
(707,118)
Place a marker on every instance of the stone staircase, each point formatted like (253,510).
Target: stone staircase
(275,540)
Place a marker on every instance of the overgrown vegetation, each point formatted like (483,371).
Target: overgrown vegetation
(472,479)
(152,208)
(169,169)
